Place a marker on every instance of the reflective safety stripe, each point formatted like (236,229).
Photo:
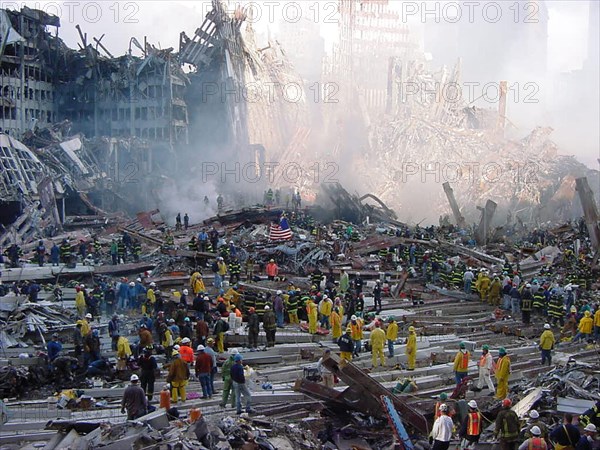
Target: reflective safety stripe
(474,424)
(536,444)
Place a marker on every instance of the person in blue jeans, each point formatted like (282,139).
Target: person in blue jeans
(239,385)
(203,368)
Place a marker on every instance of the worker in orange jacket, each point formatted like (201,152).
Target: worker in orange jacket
(461,363)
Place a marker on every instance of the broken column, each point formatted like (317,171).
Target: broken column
(487,214)
(590,211)
(458,217)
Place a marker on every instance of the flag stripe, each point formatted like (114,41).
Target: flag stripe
(276,233)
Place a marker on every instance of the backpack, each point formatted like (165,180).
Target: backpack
(215,267)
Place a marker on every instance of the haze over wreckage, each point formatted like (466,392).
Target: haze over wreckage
(298,225)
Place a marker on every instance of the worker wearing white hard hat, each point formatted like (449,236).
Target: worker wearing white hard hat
(471,427)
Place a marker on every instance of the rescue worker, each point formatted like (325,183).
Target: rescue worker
(85,325)
(346,344)
(253,329)
(461,363)
(65,252)
(123,352)
(270,326)
(411,348)
(535,442)
(586,442)
(391,335)
(486,363)
(235,269)
(471,427)
(134,400)
(325,308)
(311,310)
(203,369)
(526,304)
(585,328)
(534,421)
(291,305)
(356,324)
(556,310)
(80,304)
(185,351)
(502,373)
(221,327)
(227,382)
(344,282)
(41,253)
(547,342)
(148,369)
(591,415)
(179,373)
(272,270)
(494,292)
(436,409)
(377,343)
(441,433)
(507,426)
(336,324)
(565,436)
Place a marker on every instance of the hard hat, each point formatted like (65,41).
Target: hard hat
(272,260)
(210,341)
(267,308)
(358,274)
(279,292)
(131,283)
(233,351)
(88,316)
(411,329)
(175,353)
(528,285)
(200,348)
(462,345)
(134,377)
(485,347)
(587,314)
(82,286)
(206,298)
(391,319)
(472,404)
(348,329)
(591,427)
(353,318)
(502,351)
(444,407)
(535,430)
(176,347)
(573,309)
(171,320)
(238,357)
(546,326)
(187,319)
(569,288)
(231,242)
(534,414)
(185,340)
(185,292)
(55,335)
(139,280)
(443,396)
(153,284)
(507,402)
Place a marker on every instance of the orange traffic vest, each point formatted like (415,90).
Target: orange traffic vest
(536,444)
(474,424)
(464,360)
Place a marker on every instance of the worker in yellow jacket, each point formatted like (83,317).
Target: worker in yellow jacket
(80,303)
(461,363)
(411,348)
(585,328)
(123,352)
(336,324)
(325,308)
(547,342)
(197,283)
(356,325)
(148,305)
(391,335)
(502,373)
(597,324)
(312,311)
(85,325)
(377,343)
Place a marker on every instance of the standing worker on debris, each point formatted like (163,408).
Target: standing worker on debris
(356,324)
(114,252)
(344,282)
(186,221)
(502,373)
(486,364)
(325,308)
(587,441)
(239,385)
(507,426)
(336,324)
(148,368)
(80,301)
(279,308)
(468,277)
(346,344)
(461,363)
(270,326)
(65,252)
(526,304)
(377,342)
(134,400)
(565,436)
(54,348)
(228,392)
(41,253)
(203,368)
(123,352)
(585,327)
(411,348)
(179,373)
(392,334)
(441,434)
(311,310)
(272,270)
(253,329)
(221,327)
(471,427)
(546,346)
(54,254)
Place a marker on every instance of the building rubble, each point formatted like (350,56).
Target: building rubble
(107,151)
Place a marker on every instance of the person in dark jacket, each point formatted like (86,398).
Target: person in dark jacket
(253,329)
(239,385)
(566,434)
(270,326)
(507,426)
(148,368)
(134,400)
(586,442)
(346,345)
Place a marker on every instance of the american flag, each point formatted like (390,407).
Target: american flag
(280,231)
